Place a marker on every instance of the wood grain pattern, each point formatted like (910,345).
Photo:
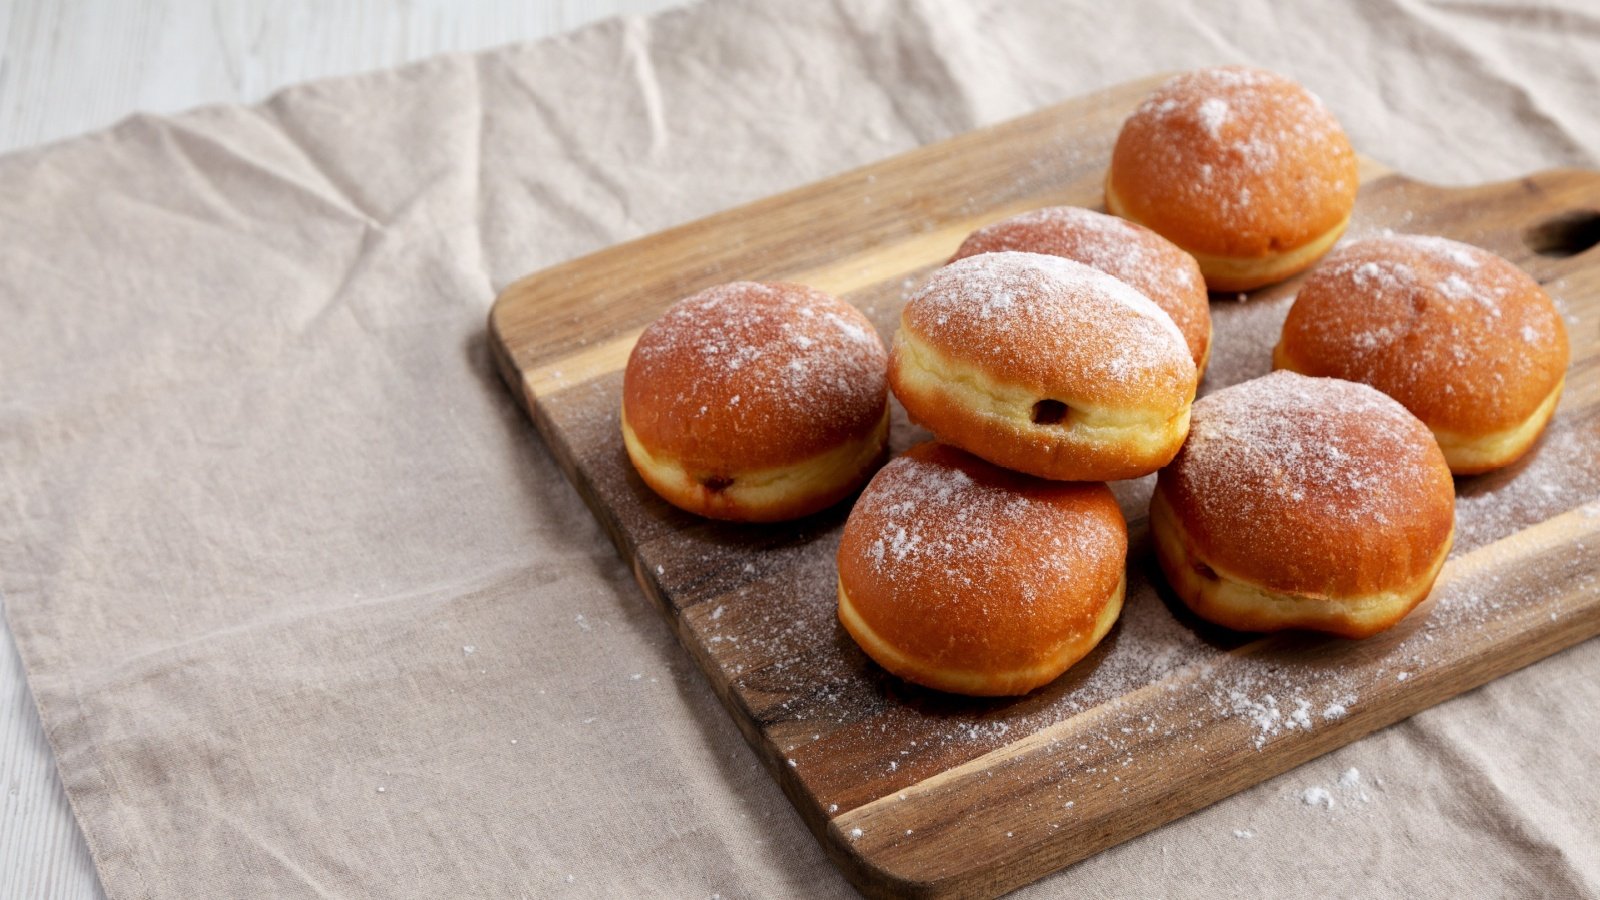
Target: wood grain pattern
(912,792)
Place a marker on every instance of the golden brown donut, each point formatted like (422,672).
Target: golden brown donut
(756,402)
(1145,260)
(962,576)
(1044,365)
(1243,168)
(1303,503)
(1467,341)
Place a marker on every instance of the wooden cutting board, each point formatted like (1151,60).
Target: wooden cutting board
(914,792)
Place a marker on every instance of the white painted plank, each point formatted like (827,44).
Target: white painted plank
(70,67)
(42,853)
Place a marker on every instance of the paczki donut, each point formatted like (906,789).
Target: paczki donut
(1305,503)
(965,577)
(1467,341)
(1044,365)
(1148,262)
(756,402)
(1243,168)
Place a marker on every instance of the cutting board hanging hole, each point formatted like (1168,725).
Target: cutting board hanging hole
(1566,234)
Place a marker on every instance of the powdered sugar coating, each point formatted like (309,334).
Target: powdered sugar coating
(1047,322)
(1132,253)
(1235,162)
(1464,339)
(1213,113)
(1311,484)
(996,562)
(766,374)
(933,516)
(1283,437)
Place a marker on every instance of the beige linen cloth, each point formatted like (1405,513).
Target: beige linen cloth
(309,611)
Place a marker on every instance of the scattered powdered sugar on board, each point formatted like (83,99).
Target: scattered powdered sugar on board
(791,631)
(1268,717)
(1558,474)
(1272,700)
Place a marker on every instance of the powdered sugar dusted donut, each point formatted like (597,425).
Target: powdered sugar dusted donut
(1467,341)
(965,577)
(1243,168)
(1044,365)
(1148,262)
(1303,503)
(756,402)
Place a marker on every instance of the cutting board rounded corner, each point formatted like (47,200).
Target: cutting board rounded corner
(874,876)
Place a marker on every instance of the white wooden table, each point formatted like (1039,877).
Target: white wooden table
(70,66)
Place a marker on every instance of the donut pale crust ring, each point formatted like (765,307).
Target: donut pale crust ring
(763,495)
(965,577)
(1468,342)
(756,402)
(1227,274)
(1145,260)
(979,682)
(1474,454)
(1470,454)
(1219,596)
(1244,169)
(965,407)
(1044,365)
(1304,503)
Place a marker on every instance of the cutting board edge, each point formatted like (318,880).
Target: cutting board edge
(1439,684)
